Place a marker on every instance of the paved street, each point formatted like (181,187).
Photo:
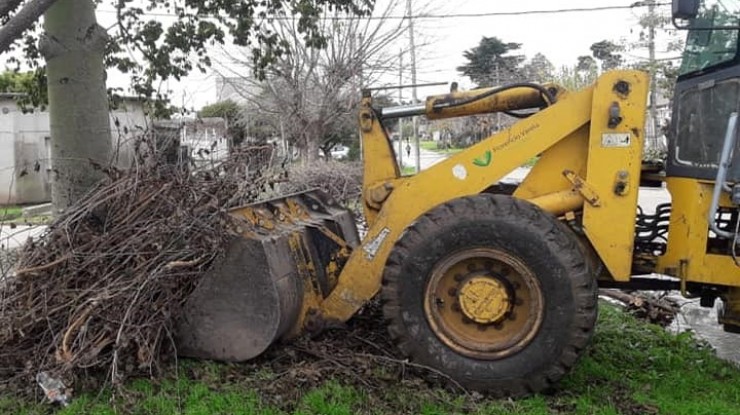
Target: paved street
(428,158)
(15,237)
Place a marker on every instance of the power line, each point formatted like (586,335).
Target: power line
(409,11)
(529,12)
(438,16)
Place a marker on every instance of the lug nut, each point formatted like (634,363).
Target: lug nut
(511,316)
(458,277)
(471,267)
(452,292)
(518,301)
(482,327)
(488,265)
(456,307)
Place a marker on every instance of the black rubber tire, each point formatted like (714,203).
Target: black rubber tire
(543,243)
(731,328)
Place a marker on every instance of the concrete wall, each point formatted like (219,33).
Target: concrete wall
(7,152)
(25,149)
(127,124)
(32,164)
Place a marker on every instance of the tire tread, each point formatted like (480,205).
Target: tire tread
(555,233)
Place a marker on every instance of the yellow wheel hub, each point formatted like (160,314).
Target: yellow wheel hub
(484,300)
(483,303)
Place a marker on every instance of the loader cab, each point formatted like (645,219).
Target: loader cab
(707,89)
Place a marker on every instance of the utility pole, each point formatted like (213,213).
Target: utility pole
(400,102)
(360,83)
(498,84)
(413,82)
(652,21)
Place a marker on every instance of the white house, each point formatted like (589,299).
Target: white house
(25,148)
(205,140)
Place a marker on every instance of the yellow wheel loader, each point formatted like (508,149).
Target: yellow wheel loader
(492,284)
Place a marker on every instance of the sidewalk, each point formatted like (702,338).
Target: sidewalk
(428,158)
(15,237)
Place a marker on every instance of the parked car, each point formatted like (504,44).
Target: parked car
(340,152)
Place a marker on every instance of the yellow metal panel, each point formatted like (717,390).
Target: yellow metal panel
(614,157)
(468,172)
(377,151)
(686,255)
(560,202)
(546,176)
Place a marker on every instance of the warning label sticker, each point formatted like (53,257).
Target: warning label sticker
(616,140)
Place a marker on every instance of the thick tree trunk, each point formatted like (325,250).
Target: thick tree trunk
(312,150)
(73,46)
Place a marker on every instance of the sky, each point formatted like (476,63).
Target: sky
(562,37)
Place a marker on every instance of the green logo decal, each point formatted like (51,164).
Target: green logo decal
(484,160)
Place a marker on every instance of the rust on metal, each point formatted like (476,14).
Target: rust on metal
(582,187)
(484,303)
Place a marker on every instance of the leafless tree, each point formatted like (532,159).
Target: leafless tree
(310,96)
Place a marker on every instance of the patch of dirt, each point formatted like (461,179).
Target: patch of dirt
(627,406)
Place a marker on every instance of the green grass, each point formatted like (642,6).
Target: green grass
(10,212)
(531,162)
(13,213)
(408,170)
(432,146)
(631,368)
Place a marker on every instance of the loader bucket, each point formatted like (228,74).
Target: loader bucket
(285,260)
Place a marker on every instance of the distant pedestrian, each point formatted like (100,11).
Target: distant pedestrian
(408,150)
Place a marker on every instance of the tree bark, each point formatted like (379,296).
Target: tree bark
(73,46)
(312,150)
(21,21)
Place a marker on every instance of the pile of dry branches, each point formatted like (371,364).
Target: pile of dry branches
(97,294)
(342,181)
(657,309)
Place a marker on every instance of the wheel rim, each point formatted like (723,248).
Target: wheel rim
(484,303)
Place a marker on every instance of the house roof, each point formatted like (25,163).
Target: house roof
(208,122)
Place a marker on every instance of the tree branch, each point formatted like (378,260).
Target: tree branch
(7,6)
(21,21)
